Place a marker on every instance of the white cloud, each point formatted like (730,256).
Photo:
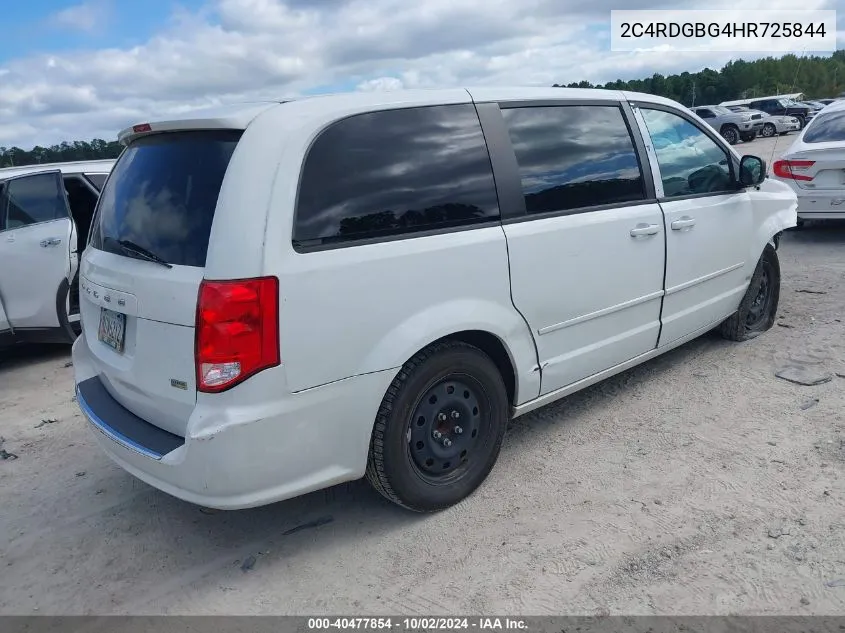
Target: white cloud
(380,84)
(86,17)
(240,50)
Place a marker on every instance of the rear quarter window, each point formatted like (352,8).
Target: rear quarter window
(395,172)
(162,194)
(826,128)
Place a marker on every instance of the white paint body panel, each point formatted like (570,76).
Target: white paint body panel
(31,273)
(160,307)
(707,264)
(590,291)
(351,317)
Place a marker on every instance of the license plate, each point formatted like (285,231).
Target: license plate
(112,330)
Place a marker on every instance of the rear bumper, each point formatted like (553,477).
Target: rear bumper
(305,441)
(821,205)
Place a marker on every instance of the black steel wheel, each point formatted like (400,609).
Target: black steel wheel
(445,428)
(761,305)
(439,429)
(758,308)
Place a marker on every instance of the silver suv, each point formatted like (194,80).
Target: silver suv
(733,126)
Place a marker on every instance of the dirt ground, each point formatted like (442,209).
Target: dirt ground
(697,483)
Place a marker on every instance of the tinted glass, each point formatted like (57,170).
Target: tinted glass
(162,194)
(574,156)
(98,180)
(32,199)
(826,128)
(396,171)
(690,161)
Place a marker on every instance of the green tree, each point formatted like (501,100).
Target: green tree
(817,77)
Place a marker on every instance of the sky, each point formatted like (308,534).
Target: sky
(82,69)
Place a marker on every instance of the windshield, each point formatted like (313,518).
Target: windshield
(826,128)
(160,199)
(784,103)
(721,110)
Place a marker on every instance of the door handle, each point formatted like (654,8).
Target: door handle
(51,241)
(645,229)
(684,223)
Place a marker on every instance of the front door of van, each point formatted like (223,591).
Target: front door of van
(587,254)
(709,222)
(35,233)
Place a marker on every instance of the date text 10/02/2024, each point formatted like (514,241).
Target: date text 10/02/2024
(417,623)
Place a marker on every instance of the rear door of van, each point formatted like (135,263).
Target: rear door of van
(142,270)
(35,237)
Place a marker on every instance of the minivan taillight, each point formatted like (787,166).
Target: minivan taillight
(792,169)
(237,333)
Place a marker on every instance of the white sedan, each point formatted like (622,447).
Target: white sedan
(814,166)
(779,125)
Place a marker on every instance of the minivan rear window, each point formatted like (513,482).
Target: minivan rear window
(162,193)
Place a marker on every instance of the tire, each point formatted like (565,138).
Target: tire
(409,463)
(730,134)
(748,137)
(801,121)
(759,306)
(62,305)
(769,130)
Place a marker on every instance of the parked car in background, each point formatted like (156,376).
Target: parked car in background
(826,101)
(281,297)
(772,125)
(783,107)
(733,126)
(814,166)
(45,214)
(815,105)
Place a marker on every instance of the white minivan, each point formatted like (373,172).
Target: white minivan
(279,297)
(45,215)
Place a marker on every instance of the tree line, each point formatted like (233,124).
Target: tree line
(77,150)
(816,77)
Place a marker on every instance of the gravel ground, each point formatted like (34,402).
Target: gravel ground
(697,483)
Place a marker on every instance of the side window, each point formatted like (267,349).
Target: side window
(704,113)
(572,157)
(32,199)
(690,161)
(395,172)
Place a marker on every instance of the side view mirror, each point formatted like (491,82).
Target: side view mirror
(752,171)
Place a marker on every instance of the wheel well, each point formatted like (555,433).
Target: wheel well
(491,345)
(728,125)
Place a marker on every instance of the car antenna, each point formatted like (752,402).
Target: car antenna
(794,82)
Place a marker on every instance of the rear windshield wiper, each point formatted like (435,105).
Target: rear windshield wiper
(129,246)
